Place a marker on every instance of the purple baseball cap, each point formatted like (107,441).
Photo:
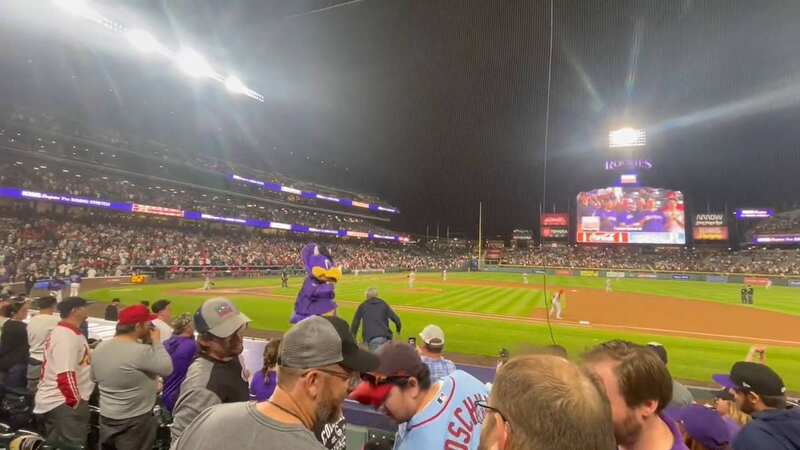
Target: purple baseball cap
(705,426)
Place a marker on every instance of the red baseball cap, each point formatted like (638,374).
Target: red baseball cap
(135,314)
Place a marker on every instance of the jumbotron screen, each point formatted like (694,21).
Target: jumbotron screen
(631,215)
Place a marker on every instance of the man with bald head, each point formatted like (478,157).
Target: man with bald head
(545,402)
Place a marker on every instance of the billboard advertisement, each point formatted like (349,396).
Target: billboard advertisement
(776,239)
(710,227)
(555,226)
(631,215)
(754,213)
(522,235)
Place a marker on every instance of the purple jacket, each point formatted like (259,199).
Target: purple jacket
(261,389)
(316,297)
(182,350)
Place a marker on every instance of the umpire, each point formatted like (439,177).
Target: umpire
(376,315)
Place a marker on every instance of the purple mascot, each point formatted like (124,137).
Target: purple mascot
(316,297)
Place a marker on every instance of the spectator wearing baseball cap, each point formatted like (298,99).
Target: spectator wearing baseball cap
(546,402)
(182,349)
(703,428)
(431,353)
(63,394)
(216,375)
(760,392)
(163,318)
(318,358)
(39,328)
(125,370)
(681,396)
(430,414)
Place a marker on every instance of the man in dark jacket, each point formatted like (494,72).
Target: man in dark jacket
(376,315)
(760,392)
(14,349)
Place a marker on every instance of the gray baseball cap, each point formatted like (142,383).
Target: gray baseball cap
(219,316)
(321,341)
(433,336)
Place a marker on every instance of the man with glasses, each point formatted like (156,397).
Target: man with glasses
(545,402)
(432,415)
(318,362)
(760,392)
(216,375)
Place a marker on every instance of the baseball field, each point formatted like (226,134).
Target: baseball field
(703,325)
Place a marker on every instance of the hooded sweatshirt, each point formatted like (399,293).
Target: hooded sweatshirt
(775,429)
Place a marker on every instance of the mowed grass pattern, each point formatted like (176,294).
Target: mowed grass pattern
(694,360)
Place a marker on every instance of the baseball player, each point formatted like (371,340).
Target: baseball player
(608,285)
(284,279)
(431,415)
(555,308)
(207,284)
(525,278)
(444,274)
(74,284)
(411,277)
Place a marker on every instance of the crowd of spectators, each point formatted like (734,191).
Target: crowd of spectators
(189,379)
(44,133)
(87,183)
(96,244)
(759,261)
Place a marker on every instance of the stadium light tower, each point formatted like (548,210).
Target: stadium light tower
(194,64)
(627,137)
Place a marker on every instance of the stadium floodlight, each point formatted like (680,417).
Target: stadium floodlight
(143,41)
(627,137)
(74,7)
(194,64)
(235,85)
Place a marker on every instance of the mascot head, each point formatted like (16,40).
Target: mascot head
(319,263)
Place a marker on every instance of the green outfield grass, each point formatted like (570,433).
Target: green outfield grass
(690,359)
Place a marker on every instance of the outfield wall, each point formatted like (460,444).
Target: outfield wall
(709,277)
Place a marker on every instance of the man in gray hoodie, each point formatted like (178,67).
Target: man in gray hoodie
(376,315)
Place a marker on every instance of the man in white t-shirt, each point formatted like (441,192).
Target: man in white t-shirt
(62,399)
(39,328)
(162,309)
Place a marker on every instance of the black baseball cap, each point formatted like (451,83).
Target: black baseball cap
(397,360)
(45,302)
(66,307)
(753,377)
(159,306)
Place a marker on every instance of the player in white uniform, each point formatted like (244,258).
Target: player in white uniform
(608,285)
(207,283)
(411,277)
(555,308)
(444,275)
(525,278)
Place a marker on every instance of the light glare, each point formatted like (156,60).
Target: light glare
(235,85)
(194,64)
(143,41)
(627,137)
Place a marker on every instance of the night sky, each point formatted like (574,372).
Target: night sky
(436,105)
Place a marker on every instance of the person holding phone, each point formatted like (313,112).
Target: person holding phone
(125,369)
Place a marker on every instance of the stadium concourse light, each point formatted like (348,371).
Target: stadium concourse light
(235,85)
(144,42)
(194,64)
(627,137)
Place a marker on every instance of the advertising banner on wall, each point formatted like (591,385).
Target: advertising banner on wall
(710,227)
(555,226)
